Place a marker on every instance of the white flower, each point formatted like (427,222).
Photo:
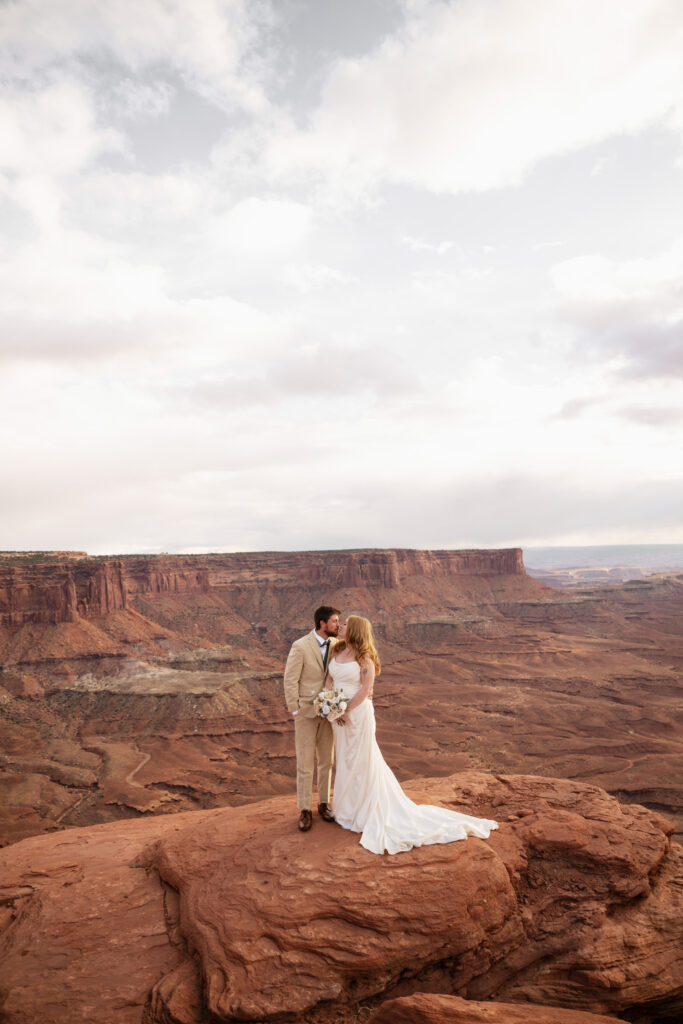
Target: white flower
(343,706)
(326,709)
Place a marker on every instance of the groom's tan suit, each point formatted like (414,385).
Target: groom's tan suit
(304,674)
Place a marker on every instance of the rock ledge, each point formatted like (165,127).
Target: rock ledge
(223,915)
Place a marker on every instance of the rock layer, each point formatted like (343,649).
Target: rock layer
(62,591)
(173,701)
(439,1009)
(232,914)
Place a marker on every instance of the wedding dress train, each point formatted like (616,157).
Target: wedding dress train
(367,796)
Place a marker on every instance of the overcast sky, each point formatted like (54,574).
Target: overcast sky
(284,274)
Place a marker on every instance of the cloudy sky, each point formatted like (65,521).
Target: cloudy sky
(281,274)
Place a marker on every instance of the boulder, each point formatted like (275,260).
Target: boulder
(232,914)
(438,1009)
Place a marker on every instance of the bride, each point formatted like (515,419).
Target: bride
(367,796)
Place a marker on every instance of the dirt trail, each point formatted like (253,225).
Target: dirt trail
(131,775)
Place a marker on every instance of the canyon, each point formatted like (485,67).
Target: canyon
(152,870)
(152,684)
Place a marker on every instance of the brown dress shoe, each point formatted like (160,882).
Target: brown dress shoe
(325,812)
(305,821)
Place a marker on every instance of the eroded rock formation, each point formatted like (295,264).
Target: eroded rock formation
(439,1009)
(55,592)
(144,685)
(231,914)
(61,592)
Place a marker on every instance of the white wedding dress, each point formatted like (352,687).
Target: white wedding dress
(367,795)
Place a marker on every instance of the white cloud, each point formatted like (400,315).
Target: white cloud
(657,417)
(471,95)
(574,407)
(420,245)
(630,310)
(143,99)
(38,195)
(593,285)
(51,131)
(132,203)
(303,377)
(205,40)
(306,278)
(72,300)
(262,226)
(48,137)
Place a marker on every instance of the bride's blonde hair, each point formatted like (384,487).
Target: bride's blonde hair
(359,637)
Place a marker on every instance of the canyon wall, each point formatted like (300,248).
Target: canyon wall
(153,684)
(90,588)
(60,592)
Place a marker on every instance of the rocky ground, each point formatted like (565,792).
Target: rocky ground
(576,902)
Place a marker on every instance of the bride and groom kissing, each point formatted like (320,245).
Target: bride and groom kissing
(340,653)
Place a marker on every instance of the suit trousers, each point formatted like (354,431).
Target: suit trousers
(313,736)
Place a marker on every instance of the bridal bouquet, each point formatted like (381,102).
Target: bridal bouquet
(330,704)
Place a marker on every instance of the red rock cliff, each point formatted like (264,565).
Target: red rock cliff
(61,592)
(369,567)
(89,588)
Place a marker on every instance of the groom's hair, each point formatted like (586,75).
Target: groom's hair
(323,613)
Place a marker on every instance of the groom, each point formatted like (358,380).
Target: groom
(304,674)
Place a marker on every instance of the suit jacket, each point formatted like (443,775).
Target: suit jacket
(304,674)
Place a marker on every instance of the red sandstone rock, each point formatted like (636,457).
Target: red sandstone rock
(439,1009)
(578,903)
(85,929)
(63,591)
(487,666)
(60,592)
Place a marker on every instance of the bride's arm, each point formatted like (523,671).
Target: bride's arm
(367,681)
